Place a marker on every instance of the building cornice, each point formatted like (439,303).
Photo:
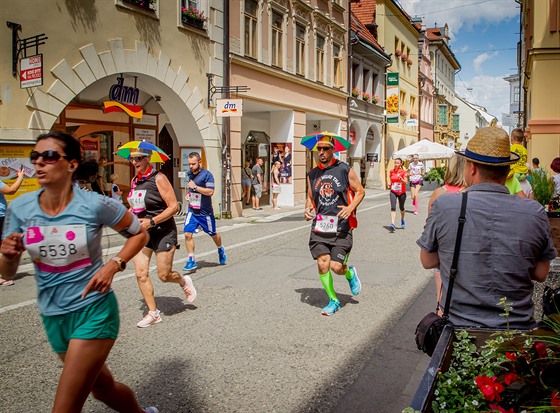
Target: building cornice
(280,74)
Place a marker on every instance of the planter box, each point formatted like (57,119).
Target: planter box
(554,220)
(430,185)
(440,361)
(199,24)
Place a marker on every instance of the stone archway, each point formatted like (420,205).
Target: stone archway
(182,103)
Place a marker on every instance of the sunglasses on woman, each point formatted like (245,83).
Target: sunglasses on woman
(137,158)
(49,156)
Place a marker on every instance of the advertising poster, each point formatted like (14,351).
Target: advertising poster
(12,158)
(185,163)
(90,147)
(282,152)
(392,101)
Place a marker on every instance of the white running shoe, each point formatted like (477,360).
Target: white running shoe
(188,288)
(149,320)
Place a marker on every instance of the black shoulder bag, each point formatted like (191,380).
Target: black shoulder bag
(430,327)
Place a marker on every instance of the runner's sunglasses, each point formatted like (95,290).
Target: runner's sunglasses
(49,156)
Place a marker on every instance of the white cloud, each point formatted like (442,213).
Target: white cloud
(481,58)
(459,13)
(487,91)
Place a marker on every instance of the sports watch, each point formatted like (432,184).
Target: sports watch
(152,222)
(120,263)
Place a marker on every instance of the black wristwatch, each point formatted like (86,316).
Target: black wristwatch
(152,222)
(120,263)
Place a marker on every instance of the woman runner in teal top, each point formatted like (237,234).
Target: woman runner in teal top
(60,227)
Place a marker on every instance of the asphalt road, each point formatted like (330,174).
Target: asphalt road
(254,340)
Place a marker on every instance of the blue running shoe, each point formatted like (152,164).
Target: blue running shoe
(222,255)
(392,228)
(151,410)
(190,265)
(331,308)
(355,284)
(403,225)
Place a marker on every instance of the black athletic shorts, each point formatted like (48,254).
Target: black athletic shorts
(163,236)
(338,246)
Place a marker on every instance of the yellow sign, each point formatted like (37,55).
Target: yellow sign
(12,159)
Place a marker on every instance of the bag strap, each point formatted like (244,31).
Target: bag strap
(453,271)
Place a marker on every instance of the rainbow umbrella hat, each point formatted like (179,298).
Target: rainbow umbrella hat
(311,141)
(157,154)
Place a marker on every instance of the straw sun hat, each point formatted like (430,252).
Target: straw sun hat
(489,146)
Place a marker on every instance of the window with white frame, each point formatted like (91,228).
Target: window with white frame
(277,38)
(337,66)
(300,49)
(251,7)
(320,59)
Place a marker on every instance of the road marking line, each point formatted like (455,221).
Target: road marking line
(131,274)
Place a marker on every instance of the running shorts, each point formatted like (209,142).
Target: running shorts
(206,222)
(99,320)
(338,246)
(163,237)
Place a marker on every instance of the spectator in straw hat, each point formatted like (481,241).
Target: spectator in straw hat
(506,242)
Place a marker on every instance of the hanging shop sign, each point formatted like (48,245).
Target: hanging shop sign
(148,135)
(123,99)
(31,71)
(392,100)
(229,107)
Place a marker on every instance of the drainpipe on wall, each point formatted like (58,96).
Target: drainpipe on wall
(226,150)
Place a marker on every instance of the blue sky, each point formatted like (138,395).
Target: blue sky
(484,36)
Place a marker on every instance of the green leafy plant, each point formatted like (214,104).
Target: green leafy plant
(512,372)
(435,174)
(544,188)
(355,92)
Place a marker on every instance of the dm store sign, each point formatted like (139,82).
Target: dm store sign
(229,107)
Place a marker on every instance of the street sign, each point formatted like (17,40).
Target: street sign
(31,71)
(229,107)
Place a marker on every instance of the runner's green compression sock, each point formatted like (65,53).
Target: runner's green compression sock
(327,281)
(349,274)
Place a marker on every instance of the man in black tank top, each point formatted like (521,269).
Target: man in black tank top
(334,192)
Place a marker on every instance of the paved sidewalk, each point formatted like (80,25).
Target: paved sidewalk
(392,375)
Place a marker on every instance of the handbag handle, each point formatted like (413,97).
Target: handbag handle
(453,270)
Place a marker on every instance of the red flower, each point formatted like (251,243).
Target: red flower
(491,388)
(540,348)
(510,378)
(500,409)
(555,401)
(512,356)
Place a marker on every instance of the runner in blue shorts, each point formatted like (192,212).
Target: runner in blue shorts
(201,213)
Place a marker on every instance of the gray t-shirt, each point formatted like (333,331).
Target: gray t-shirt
(256,170)
(503,238)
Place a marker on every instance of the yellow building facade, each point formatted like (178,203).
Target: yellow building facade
(158,57)
(541,78)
